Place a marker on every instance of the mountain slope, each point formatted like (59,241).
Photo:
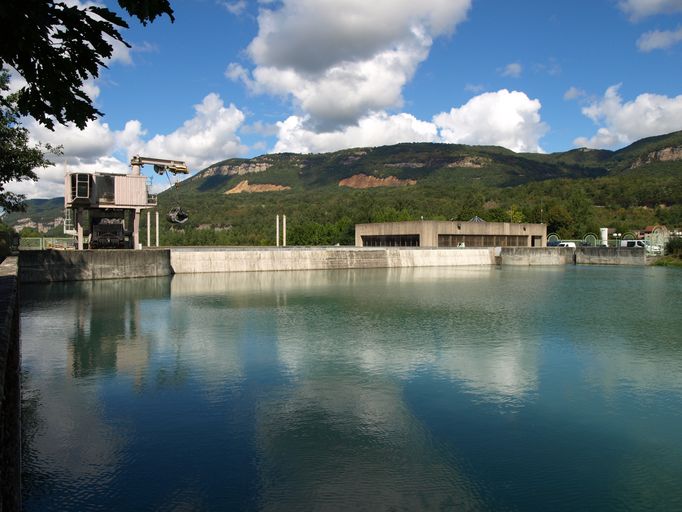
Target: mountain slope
(574,192)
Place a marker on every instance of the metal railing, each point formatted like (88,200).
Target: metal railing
(42,243)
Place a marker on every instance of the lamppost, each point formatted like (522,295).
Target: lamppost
(617,237)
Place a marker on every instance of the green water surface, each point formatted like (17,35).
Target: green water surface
(413,389)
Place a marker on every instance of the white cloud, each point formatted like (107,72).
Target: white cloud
(347,92)
(340,60)
(621,123)
(209,136)
(638,9)
(514,70)
(574,93)
(238,73)
(374,130)
(503,118)
(659,40)
(237,8)
(81,146)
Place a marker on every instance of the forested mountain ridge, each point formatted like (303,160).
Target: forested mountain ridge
(324,195)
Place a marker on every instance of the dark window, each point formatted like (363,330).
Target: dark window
(390,240)
(482,240)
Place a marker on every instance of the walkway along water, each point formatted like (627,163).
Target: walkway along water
(10,389)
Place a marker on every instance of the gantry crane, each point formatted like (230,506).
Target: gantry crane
(103,209)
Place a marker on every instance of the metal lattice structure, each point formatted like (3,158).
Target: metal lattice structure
(658,238)
(590,239)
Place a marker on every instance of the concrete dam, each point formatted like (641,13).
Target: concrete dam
(53,265)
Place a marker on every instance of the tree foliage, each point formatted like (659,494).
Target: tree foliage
(18,158)
(56,46)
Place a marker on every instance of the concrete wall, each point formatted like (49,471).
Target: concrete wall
(188,261)
(428,231)
(565,256)
(610,256)
(536,256)
(10,388)
(51,265)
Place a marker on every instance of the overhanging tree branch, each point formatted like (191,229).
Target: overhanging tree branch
(56,47)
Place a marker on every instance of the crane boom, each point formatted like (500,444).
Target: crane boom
(160,165)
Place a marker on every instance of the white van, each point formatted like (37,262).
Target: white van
(567,244)
(643,244)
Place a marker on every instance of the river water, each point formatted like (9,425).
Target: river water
(412,389)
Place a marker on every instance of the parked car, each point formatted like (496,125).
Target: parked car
(567,244)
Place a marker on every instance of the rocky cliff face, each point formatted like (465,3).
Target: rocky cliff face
(237,170)
(244,186)
(662,155)
(470,162)
(364,181)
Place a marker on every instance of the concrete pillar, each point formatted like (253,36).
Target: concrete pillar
(277,229)
(284,230)
(79,228)
(149,228)
(136,228)
(157,228)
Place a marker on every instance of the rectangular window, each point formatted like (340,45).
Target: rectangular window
(390,240)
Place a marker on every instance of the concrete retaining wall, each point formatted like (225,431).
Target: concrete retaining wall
(536,256)
(51,265)
(610,256)
(189,261)
(566,256)
(10,388)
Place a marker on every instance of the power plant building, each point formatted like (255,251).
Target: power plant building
(474,233)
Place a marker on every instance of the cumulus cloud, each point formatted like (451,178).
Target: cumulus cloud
(503,118)
(514,70)
(620,123)
(659,40)
(373,130)
(209,136)
(79,146)
(340,60)
(638,9)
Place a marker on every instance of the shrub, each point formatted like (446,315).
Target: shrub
(674,247)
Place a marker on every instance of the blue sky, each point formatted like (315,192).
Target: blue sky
(241,78)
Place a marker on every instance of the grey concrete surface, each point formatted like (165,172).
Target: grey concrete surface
(186,261)
(610,256)
(52,265)
(530,256)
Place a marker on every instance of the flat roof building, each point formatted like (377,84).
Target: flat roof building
(474,233)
